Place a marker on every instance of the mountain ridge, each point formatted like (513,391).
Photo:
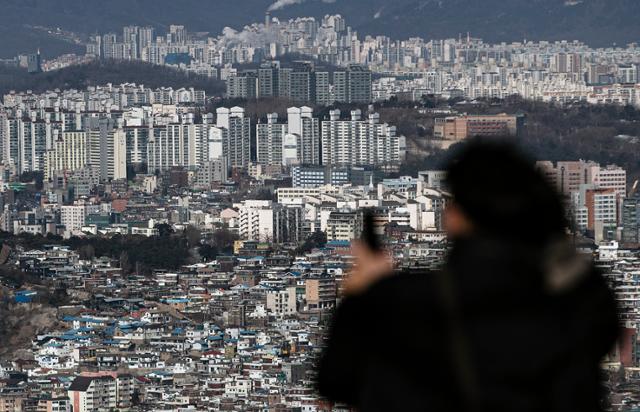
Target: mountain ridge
(597,22)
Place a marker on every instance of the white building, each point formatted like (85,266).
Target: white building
(256,220)
(72,217)
(69,153)
(282,302)
(235,142)
(182,144)
(360,142)
(306,129)
(266,221)
(270,138)
(344,226)
(108,152)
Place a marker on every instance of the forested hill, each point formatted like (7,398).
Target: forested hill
(607,134)
(102,72)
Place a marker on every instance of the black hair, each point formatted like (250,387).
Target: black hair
(502,193)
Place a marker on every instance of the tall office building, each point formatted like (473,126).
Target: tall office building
(358,142)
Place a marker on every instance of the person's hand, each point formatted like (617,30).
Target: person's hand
(369,267)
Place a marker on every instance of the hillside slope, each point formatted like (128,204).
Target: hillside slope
(102,72)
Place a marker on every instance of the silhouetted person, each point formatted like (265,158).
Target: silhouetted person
(515,321)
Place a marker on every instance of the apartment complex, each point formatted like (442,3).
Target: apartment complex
(358,142)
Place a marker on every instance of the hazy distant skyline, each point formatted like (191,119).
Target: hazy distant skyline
(597,22)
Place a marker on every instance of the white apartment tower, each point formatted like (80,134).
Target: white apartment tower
(107,152)
(26,141)
(184,144)
(69,153)
(269,140)
(306,128)
(360,142)
(234,142)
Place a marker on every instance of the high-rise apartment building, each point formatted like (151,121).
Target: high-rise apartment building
(628,73)
(233,141)
(296,142)
(137,144)
(359,86)
(243,86)
(107,150)
(270,138)
(69,153)
(146,36)
(183,144)
(323,88)
(360,142)
(302,83)
(268,80)
(34,62)
(340,87)
(306,128)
